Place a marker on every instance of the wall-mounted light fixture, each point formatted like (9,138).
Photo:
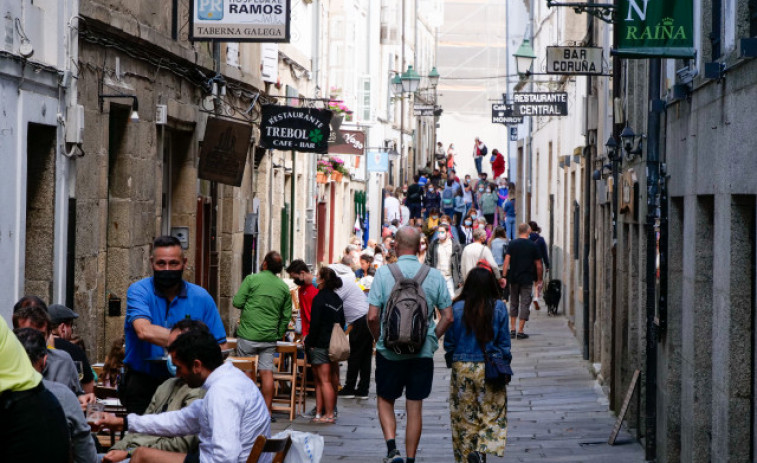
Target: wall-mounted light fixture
(134,117)
(627,137)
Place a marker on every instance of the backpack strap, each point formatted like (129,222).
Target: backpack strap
(396,273)
(422,274)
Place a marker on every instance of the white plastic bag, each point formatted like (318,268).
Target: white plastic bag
(306,447)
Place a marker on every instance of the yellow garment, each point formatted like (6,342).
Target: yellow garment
(16,371)
(431,223)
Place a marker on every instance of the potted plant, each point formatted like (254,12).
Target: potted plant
(323,171)
(338,168)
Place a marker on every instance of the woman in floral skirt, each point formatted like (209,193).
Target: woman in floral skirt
(478,410)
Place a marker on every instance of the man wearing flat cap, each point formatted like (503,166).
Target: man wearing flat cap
(62,324)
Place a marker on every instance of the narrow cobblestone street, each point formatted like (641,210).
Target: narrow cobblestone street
(556,413)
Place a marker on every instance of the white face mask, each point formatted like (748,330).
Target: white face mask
(423,247)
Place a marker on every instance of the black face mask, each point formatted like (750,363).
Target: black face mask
(298,281)
(166,279)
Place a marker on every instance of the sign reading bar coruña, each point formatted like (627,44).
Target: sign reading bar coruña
(584,61)
(288,128)
(503,114)
(540,103)
(239,20)
(224,151)
(655,29)
(347,142)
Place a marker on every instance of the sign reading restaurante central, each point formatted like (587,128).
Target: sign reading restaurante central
(288,128)
(540,103)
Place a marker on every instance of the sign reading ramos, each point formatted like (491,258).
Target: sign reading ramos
(288,128)
(239,20)
(224,151)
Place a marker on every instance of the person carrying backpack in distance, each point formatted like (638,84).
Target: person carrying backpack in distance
(402,300)
(448,197)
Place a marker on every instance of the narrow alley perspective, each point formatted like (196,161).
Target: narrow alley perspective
(556,411)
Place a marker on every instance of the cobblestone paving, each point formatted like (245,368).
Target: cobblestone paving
(556,411)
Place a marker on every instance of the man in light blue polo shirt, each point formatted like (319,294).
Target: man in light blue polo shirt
(412,372)
(153,306)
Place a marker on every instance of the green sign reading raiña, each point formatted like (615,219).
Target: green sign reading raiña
(654,29)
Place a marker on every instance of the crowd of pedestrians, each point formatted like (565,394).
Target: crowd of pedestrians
(449,261)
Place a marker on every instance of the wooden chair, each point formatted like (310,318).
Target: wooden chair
(249,365)
(304,384)
(263,445)
(285,381)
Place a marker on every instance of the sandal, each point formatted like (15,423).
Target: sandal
(323,420)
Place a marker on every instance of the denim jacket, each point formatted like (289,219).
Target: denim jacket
(465,347)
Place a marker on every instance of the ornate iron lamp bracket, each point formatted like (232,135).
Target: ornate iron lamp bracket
(603,11)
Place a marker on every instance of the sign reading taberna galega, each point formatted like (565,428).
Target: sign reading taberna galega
(540,103)
(654,29)
(288,128)
(239,20)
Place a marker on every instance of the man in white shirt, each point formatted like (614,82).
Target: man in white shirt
(476,251)
(391,207)
(355,304)
(228,419)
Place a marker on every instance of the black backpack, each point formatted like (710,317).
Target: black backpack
(484,150)
(405,315)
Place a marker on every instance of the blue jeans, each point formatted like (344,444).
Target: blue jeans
(510,223)
(478,161)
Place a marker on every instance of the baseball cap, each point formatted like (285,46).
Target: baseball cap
(60,313)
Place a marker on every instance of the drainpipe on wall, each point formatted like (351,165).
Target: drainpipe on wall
(587,205)
(653,175)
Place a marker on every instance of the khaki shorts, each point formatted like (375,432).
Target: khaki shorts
(264,351)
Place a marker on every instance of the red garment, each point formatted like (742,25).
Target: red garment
(306,293)
(498,166)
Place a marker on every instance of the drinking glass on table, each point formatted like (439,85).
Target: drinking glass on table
(95,412)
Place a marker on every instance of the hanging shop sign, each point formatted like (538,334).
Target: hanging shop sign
(424,110)
(503,114)
(224,151)
(582,61)
(513,134)
(540,103)
(347,142)
(239,20)
(378,161)
(655,29)
(298,129)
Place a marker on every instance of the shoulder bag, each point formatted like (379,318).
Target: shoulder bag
(339,346)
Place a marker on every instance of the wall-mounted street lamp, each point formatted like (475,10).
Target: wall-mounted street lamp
(524,58)
(627,137)
(433,77)
(134,117)
(612,147)
(410,80)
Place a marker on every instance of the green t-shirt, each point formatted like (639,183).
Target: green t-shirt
(266,307)
(437,296)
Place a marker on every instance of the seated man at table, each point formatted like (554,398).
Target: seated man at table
(174,394)
(228,419)
(82,444)
(59,367)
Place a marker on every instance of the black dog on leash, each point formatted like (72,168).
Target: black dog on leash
(552,296)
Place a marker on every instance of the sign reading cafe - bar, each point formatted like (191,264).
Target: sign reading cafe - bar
(655,28)
(540,103)
(239,20)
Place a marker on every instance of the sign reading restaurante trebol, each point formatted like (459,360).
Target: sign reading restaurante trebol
(240,20)
(288,128)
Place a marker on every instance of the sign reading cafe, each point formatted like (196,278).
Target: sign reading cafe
(655,28)
(295,129)
(239,20)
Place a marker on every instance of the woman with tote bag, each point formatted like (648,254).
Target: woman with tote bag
(327,310)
